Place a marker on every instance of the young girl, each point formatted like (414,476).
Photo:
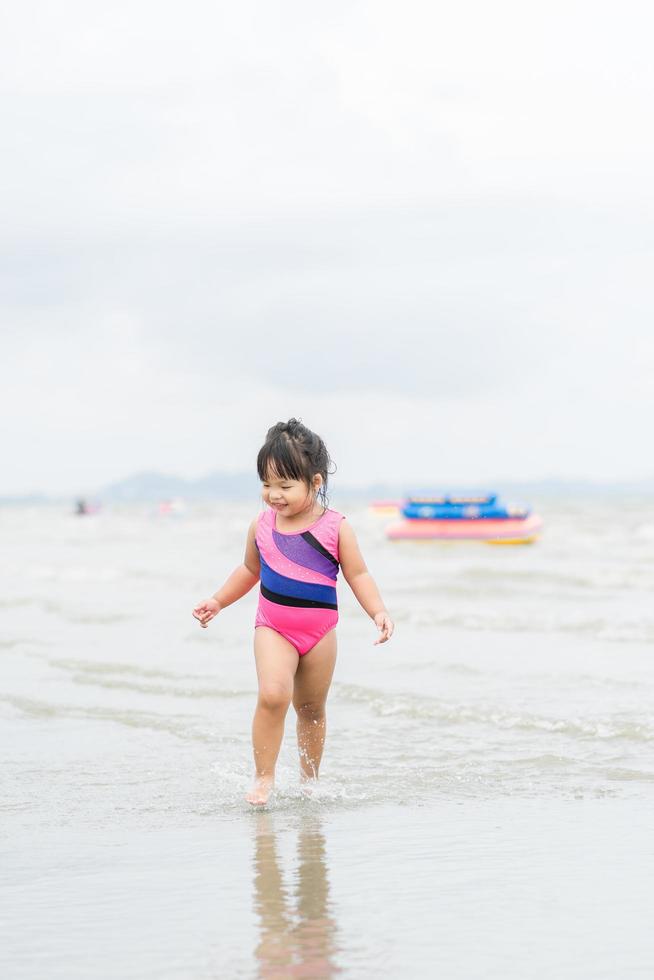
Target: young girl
(295,548)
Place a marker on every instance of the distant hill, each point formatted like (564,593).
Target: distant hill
(148,487)
(161,486)
(24,499)
(236,486)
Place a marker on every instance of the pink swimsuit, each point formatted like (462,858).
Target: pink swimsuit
(298,579)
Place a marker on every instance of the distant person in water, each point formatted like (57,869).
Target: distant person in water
(294,549)
(83,507)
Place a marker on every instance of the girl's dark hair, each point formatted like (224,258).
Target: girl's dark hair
(293,452)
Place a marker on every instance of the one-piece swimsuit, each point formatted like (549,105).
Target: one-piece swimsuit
(298,579)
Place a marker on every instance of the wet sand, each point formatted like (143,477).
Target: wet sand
(491,888)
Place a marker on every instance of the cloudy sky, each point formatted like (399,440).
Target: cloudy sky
(423,227)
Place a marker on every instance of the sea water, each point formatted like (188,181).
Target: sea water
(485,804)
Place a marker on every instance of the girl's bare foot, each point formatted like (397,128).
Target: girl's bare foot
(308,782)
(261,790)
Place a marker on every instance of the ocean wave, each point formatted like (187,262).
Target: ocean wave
(533,620)
(17,602)
(592,577)
(144,680)
(627,775)
(420,707)
(64,611)
(88,618)
(168,690)
(186,727)
(95,667)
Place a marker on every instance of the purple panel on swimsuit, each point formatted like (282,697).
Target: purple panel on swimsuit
(294,546)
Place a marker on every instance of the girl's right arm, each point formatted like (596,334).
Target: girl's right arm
(239,582)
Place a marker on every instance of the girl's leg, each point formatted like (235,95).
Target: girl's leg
(312,680)
(277,662)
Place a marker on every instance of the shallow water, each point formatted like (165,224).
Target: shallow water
(487,786)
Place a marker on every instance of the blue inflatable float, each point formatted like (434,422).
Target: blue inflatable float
(460,508)
(465,518)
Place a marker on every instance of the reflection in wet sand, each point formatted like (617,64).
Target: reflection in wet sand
(297,933)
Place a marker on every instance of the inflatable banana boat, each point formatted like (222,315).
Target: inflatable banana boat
(465,519)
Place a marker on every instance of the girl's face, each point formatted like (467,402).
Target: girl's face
(290,497)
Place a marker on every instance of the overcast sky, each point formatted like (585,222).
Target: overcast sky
(424,228)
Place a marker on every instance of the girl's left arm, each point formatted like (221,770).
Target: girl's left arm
(362,583)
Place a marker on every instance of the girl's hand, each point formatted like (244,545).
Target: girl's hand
(205,611)
(385,625)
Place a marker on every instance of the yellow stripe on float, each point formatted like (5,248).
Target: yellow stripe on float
(530,540)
